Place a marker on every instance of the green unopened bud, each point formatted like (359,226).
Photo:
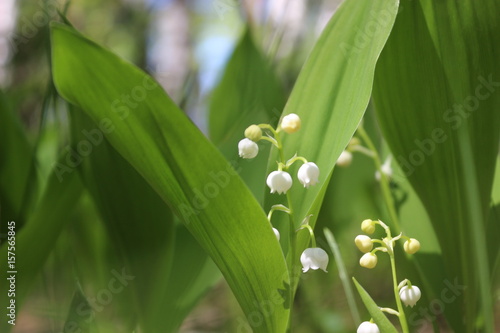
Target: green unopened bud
(354,142)
(253,132)
(411,246)
(364,243)
(368,226)
(368,260)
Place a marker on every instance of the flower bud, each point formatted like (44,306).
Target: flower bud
(354,142)
(386,170)
(277,233)
(368,226)
(314,258)
(410,295)
(344,159)
(247,148)
(364,243)
(411,246)
(290,123)
(279,181)
(253,132)
(367,327)
(308,174)
(368,260)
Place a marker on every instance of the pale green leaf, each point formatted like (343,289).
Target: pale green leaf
(187,171)
(331,95)
(248,93)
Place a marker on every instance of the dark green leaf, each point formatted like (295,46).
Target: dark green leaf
(35,241)
(16,166)
(248,93)
(436,94)
(138,222)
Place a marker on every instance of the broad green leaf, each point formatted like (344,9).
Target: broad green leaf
(35,241)
(331,95)
(79,318)
(248,93)
(384,325)
(437,98)
(16,166)
(143,232)
(187,171)
(140,226)
(193,274)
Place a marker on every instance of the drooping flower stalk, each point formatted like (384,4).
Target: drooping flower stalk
(404,292)
(280,181)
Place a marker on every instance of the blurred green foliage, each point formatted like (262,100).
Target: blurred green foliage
(102,243)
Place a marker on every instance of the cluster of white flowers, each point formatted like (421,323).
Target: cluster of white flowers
(365,243)
(280,181)
(345,158)
(408,293)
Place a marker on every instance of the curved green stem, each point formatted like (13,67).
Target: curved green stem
(384,181)
(390,311)
(362,150)
(311,233)
(281,208)
(273,141)
(291,260)
(402,316)
(292,237)
(294,159)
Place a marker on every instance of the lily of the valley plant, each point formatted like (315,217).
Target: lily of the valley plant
(404,292)
(280,181)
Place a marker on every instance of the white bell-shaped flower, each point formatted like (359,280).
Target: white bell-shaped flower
(247,148)
(410,295)
(314,258)
(279,181)
(308,174)
(344,159)
(290,123)
(367,327)
(277,233)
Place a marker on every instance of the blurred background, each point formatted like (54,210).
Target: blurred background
(185,45)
